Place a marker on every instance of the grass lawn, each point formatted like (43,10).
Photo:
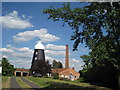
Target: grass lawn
(55,83)
(22,83)
(6,82)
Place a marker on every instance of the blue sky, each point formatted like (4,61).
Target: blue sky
(22,25)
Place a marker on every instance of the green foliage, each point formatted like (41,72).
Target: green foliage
(42,67)
(82,79)
(0,63)
(97,24)
(46,76)
(93,18)
(57,64)
(7,68)
(55,77)
(86,59)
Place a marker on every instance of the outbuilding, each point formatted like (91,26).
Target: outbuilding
(22,72)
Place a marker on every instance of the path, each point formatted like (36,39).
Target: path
(33,85)
(14,84)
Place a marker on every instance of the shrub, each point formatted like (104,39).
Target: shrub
(56,77)
(45,76)
(81,79)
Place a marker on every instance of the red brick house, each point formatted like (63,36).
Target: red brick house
(66,73)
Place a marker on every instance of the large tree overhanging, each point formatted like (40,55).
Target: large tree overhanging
(97,24)
(100,24)
(95,20)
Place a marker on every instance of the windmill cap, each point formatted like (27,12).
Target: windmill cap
(39,45)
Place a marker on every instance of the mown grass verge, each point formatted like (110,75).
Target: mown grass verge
(22,83)
(56,83)
(6,81)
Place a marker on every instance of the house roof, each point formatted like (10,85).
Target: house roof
(22,69)
(69,71)
(58,70)
(66,71)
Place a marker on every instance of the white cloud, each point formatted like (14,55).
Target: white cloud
(22,57)
(6,50)
(55,53)
(24,52)
(14,21)
(54,47)
(29,35)
(24,49)
(4,56)
(77,61)
(49,58)
(17,53)
(20,63)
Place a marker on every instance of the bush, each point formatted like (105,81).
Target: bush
(81,79)
(56,77)
(45,76)
(105,75)
(65,79)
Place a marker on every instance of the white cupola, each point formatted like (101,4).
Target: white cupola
(39,45)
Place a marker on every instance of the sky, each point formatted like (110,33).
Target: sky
(23,23)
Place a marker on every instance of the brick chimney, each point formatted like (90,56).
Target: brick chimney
(67,58)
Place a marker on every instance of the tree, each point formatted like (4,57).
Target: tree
(97,20)
(42,67)
(60,65)
(7,68)
(86,59)
(96,24)
(93,18)
(47,67)
(0,63)
(57,64)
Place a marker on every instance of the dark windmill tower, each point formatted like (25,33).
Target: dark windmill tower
(38,56)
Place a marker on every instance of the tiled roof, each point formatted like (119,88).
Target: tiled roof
(69,71)
(58,70)
(22,70)
(65,71)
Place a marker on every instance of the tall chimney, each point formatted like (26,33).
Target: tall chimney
(67,58)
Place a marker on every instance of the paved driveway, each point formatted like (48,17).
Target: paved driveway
(14,84)
(33,85)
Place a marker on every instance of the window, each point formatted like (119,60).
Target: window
(75,76)
(36,53)
(70,76)
(66,76)
(35,58)
(62,75)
